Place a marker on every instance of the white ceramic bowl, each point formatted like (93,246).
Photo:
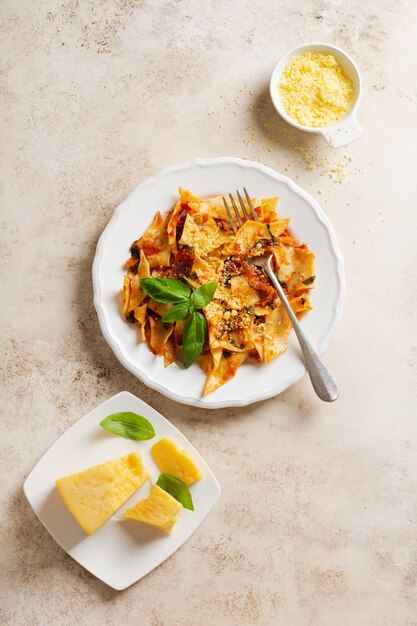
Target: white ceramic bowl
(345,130)
(209,177)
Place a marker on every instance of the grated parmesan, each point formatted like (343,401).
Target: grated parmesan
(314,90)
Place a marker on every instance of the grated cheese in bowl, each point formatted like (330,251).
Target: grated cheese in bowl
(314,90)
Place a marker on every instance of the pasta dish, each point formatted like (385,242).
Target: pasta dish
(244,319)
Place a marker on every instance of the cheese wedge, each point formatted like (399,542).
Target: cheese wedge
(92,496)
(172,460)
(159,510)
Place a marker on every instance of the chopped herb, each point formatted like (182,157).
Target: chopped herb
(227,354)
(250,310)
(303,301)
(309,281)
(268,226)
(131,317)
(227,280)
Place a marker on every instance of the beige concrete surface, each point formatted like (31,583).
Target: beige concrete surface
(317,523)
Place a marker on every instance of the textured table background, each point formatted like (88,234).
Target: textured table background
(317,521)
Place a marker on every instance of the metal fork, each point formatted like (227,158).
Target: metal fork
(323,382)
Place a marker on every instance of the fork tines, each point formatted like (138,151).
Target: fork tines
(236,210)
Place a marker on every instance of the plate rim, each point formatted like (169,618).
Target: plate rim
(28,494)
(206,162)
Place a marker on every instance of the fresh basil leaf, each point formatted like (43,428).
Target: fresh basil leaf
(203,295)
(166,290)
(178,311)
(195,332)
(129,425)
(309,281)
(177,489)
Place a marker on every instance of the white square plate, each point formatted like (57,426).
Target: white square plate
(121,551)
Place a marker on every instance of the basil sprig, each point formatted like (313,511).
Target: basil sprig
(177,489)
(186,303)
(129,425)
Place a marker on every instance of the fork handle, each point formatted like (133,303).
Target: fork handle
(323,381)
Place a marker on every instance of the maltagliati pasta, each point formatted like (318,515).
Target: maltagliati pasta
(195,244)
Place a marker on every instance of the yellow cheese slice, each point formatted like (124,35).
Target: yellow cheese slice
(159,510)
(92,496)
(172,460)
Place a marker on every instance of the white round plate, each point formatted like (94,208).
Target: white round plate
(209,177)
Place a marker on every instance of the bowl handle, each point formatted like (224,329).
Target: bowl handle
(343,132)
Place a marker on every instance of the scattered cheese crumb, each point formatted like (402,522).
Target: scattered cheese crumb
(282,141)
